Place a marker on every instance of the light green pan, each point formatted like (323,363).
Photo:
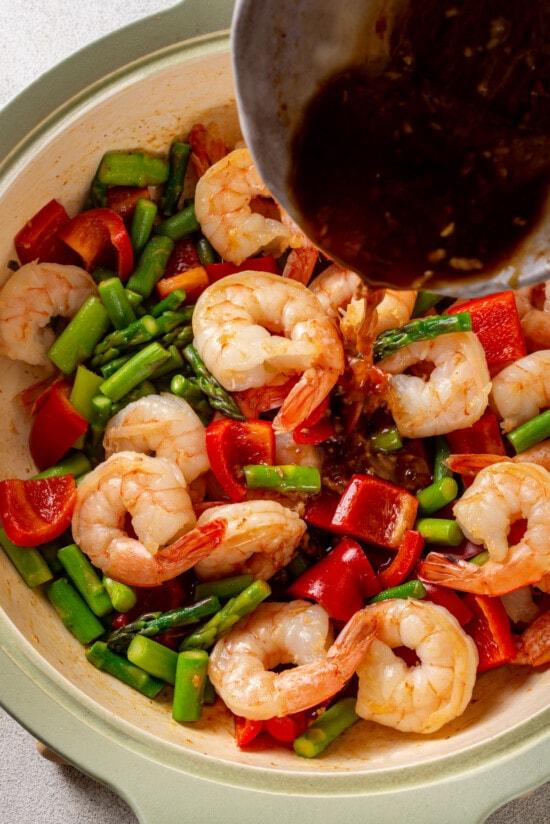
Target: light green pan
(137,88)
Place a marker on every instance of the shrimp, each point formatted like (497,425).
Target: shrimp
(422,698)
(207,146)
(453,397)
(163,425)
(260,538)
(471,463)
(303,255)
(232,324)
(152,491)
(223,207)
(500,495)
(534,646)
(294,633)
(29,300)
(522,389)
(533,303)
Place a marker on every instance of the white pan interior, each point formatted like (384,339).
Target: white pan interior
(146,110)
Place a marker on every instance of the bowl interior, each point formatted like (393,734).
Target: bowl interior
(146,108)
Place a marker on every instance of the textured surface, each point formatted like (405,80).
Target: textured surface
(32,789)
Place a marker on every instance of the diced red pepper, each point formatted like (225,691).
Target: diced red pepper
(39,237)
(320,512)
(184,257)
(450,600)
(192,281)
(376,511)
(217,271)
(490,629)
(480,438)
(339,582)
(286,729)
(37,511)
(91,234)
(495,320)
(316,428)
(252,402)
(232,444)
(123,199)
(56,426)
(246,730)
(408,555)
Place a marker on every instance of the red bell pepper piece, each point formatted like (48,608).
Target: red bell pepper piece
(37,511)
(480,438)
(184,256)
(495,320)
(39,240)
(123,199)
(217,271)
(376,511)
(231,445)
(287,728)
(316,428)
(339,582)
(450,600)
(56,426)
(91,233)
(320,512)
(401,566)
(246,730)
(490,629)
(252,402)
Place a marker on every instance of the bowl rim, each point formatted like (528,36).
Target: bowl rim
(68,704)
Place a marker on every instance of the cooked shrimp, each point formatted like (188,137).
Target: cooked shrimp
(152,491)
(260,538)
(533,303)
(29,300)
(207,146)
(287,451)
(422,698)
(303,255)
(522,389)
(500,495)
(162,425)
(472,463)
(453,397)
(253,328)
(222,205)
(295,633)
(534,646)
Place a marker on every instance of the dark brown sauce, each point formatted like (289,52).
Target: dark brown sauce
(440,164)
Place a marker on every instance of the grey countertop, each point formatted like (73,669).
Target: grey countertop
(37,34)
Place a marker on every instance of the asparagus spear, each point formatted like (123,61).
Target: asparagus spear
(101,657)
(154,658)
(140,367)
(170,303)
(28,562)
(73,611)
(77,341)
(140,331)
(131,169)
(191,671)
(85,579)
(289,478)
(123,597)
(227,617)
(207,383)
(179,158)
(178,337)
(142,223)
(187,389)
(151,266)
(115,301)
(420,329)
(154,623)
(326,728)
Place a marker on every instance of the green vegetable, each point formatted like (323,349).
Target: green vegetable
(298,564)
(410,589)
(389,440)
(440,531)
(78,340)
(86,386)
(156,622)
(181,224)
(480,559)
(179,158)
(326,728)
(100,274)
(140,367)
(175,361)
(85,579)
(140,331)
(425,301)
(114,365)
(28,562)
(115,301)
(178,337)
(151,266)
(154,658)
(207,383)
(288,478)
(531,432)
(142,223)
(101,657)
(131,169)
(141,391)
(170,303)
(134,299)
(98,193)
(49,553)
(123,597)
(102,410)
(187,389)
(420,329)
(442,452)
(224,588)
(437,495)
(76,464)
(206,252)
(227,617)
(73,611)
(189,688)
(209,696)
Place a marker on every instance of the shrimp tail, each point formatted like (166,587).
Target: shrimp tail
(534,646)
(313,387)
(471,463)
(459,574)
(354,640)
(300,264)
(194,545)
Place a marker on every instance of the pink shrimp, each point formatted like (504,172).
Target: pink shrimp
(534,646)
